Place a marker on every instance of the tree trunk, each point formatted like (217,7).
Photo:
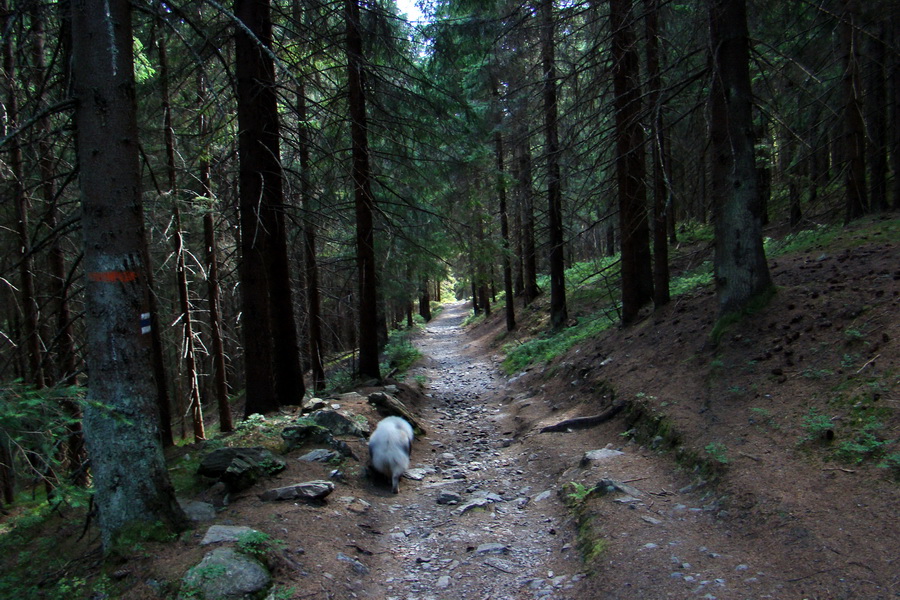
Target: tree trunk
(504,219)
(740,268)
(637,268)
(854,146)
(661,195)
(876,114)
(530,289)
(558,310)
(65,352)
(425,302)
(121,424)
(30,342)
(271,348)
(313,300)
(187,327)
(364,200)
(187,337)
(211,260)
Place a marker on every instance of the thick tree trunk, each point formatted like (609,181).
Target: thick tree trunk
(364,200)
(854,147)
(637,268)
(271,347)
(558,309)
(121,424)
(741,271)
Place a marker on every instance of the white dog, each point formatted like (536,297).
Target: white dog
(389,448)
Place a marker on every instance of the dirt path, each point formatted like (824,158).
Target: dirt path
(476,521)
(482,516)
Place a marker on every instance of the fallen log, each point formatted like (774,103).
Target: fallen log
(585,422)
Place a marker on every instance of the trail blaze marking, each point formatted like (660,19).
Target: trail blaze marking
(112,276)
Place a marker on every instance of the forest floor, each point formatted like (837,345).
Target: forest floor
(762,467)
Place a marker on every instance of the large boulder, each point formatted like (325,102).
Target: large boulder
(339,424)
(239,468)
(296,436)
(226,574)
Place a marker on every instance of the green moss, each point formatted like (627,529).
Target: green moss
(131,537)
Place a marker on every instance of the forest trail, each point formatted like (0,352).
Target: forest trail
(475,520)
(507,533)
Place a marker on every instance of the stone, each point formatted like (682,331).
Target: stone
(198,511)
(491,548)
(239,468)
(358,567)
(320,455)
(606,486)
(225,574)
(312,404)
(339,424)
(543,496)
(310,491)
(225,533)
(295,436)
(355,505)
(448,497)
(443,582)
(418,474)
(217,495)
(471,505)
(601,455)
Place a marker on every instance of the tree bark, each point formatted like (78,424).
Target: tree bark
(364,200)
(637,268)
(425,301)
(504,218)
(854,146)
(661,194)
(313,299)
(530,289)
(121,424)
(876,113)
(740,268)
(558,310)
(211,261)
(272,351)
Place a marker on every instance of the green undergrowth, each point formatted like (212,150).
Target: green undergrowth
(590,540)
(520,355)
(857,424)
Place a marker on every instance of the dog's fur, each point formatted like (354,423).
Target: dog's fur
(389,448)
